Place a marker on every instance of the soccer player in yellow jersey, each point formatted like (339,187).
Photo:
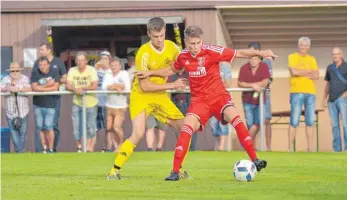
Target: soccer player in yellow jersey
(148,96)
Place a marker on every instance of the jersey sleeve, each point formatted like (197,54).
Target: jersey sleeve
(141,60)
(177,65)
(222,54)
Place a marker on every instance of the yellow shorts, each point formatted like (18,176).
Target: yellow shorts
(159,105)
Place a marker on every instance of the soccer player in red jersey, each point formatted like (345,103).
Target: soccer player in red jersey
(209,95)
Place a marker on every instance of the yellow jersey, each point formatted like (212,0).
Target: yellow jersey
(302,84)
(149,58)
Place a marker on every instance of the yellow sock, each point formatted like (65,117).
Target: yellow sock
(125,151)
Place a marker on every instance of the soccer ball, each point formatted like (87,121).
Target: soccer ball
(245,170)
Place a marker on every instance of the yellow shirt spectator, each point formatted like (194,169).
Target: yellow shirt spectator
(301,84)
(149,58)
(84,79)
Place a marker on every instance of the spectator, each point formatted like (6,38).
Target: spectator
(219,130)
(303,71)
(182,101)
(131,66)
(152,124)
(45,79)
(256,75)
(103,68)
(16,106)
(80,79)
(46,49)
(267,106)
(336,90)
(116,104)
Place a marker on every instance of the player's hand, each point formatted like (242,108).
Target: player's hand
(268,54)
(256,88)
(180,83)
(142,74)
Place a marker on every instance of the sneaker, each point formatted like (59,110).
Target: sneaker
(114,176)
(50,151)
(44,151)
(260,164)
(174,176)
(79,150)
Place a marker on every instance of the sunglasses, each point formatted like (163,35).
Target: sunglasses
(14,71)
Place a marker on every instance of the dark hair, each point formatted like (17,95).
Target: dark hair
(255,45)
(155,24)
(42,58)
(48,45)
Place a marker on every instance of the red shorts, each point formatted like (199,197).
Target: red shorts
(205,108)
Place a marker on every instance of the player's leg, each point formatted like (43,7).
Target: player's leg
(109,130)
(127,148)
(296,103)
(191,124)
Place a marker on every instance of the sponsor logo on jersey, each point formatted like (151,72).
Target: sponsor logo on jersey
(201,61)
(201,71)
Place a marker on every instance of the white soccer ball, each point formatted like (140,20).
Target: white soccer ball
(245,171)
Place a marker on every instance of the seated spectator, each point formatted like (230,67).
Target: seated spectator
(116,104)
(303,71)
(45,79)
(80,79)
(219,130)
(336,90)
(152,124)
(16,106)
(267,107)
(103,68)
(256,75)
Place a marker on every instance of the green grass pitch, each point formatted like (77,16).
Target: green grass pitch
(65,176)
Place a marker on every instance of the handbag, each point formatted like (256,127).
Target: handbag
(338,74)
(17,121)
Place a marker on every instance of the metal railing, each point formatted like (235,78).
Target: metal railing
(84,109)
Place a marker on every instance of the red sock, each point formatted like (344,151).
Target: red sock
(244,137)
(182,146)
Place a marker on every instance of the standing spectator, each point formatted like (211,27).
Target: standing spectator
(80,79)
(116,104)
(45,79)
(303,71)
(182,101)
(103,68)
(16,106)
(256,75)
(152,124)
(46,50)
(131,66)
(336,90)
(267,106)
(219,130)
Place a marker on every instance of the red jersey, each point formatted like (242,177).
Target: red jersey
(203,69)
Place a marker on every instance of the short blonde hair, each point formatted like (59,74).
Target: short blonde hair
(193,31)
(155,24)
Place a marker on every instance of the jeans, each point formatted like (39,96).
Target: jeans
(77,121)
(296,102)
(44,120)
(183,107)
(251,114)
(338,109)
(19,137)
(56,125)
(218,129)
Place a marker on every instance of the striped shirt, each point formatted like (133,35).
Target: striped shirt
(23,101)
